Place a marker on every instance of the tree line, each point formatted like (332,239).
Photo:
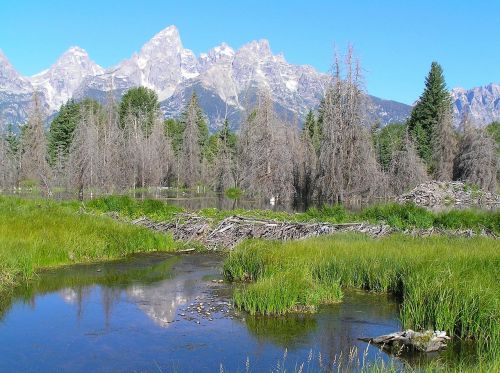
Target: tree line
(334,157)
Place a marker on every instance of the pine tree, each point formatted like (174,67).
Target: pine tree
(312,130)
(426,113)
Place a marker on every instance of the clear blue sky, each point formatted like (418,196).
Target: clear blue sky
(395,40)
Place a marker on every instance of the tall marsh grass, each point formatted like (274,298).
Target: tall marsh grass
(444,283)
(38,233)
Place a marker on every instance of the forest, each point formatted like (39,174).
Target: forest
(333,155)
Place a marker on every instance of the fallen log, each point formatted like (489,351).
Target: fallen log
(411,341)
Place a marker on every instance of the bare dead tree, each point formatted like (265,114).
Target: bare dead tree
(444,145)
(34,166)
(85,160)
(265,152)
(406,169)
(477,160)
(158,154)
(190,157)
(223,164)
(347,163)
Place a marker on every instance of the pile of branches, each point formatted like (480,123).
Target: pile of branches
(232,230)
(456,194)
(235,229)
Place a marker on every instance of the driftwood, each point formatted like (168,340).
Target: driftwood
(410,341)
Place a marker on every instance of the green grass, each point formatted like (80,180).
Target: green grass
(128,207)
(444,283)
(35,234)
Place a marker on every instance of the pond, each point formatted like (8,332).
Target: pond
(172,312)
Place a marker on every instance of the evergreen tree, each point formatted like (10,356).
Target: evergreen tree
(193,108)
(312,130)
(12,140)
(387,141)
(63,127)
(139,104)
(425,115)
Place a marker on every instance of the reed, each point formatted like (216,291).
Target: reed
(444,283)
(36,234)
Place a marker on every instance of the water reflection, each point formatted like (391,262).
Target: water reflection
(141,315)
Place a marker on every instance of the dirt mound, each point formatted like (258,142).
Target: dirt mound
(455,194)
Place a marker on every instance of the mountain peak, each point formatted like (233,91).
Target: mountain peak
(260,47)
(76,51)
(169,36)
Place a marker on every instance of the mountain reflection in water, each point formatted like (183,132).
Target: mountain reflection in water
(168,311)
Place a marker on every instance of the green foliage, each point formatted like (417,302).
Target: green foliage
(387,140)
(13,140)
(425,113)
(133,208)
(63,126)
(469,219)
(233,193)
(493,130)
(224,140)
(139,104)
(312,130)
(200,121)
(399,216)
(444,283)
(333,214)
(40,233)
(174,129)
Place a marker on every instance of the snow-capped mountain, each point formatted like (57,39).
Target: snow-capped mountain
(226,81)
(58,83)
(481,103)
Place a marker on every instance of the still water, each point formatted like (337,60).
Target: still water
(170,312)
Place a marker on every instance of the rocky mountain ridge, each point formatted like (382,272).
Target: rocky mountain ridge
(226,80)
